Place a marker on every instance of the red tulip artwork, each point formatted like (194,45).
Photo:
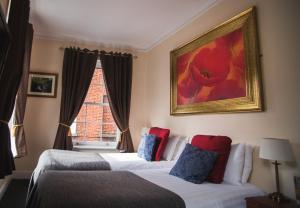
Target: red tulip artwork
(218,72)
(215,71)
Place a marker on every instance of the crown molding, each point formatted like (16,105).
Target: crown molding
(166,36)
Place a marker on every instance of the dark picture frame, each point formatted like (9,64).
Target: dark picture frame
(42,84)
(218,72)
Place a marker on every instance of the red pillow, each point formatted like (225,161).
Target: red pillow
(162,135)
(219,144)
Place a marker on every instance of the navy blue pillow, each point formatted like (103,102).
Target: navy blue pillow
(150,144)
(194,164)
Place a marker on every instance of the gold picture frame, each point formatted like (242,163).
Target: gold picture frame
(196,91)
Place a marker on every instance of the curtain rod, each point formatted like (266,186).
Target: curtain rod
(63,48)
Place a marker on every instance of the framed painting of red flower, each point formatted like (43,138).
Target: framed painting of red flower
(219,71)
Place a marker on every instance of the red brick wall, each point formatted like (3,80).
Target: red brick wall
(95,120)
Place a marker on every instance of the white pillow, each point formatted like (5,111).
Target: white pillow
(235,165)
(170,148)
(179,147)
(144,131)
(248,163)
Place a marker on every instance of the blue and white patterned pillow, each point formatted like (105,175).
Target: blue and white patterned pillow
(150,144)
(146,149)
(194,164)
(141,148)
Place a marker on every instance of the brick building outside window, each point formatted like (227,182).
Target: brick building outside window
(94,125)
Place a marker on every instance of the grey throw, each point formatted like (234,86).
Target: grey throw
(53,159)
(99,189)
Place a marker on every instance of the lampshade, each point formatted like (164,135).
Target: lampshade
(276,149)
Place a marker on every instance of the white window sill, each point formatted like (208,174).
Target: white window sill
(93,147)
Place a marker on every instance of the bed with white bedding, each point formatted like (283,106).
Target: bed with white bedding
(53,159)
(70,160)
(207,195)
(133,177)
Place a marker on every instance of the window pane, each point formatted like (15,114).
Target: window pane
(107,116)
(94,121)
(93,130)
(94,113)
(108,130)
(80,129)
(82,114)
(94,94)
(105,99)
(97,77)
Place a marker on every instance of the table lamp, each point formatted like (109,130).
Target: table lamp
(276,150)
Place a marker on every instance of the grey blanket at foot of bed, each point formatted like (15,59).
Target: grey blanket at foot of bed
(99,189)
(53,159)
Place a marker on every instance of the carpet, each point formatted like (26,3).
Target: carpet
(15,194)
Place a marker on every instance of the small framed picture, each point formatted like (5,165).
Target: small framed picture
(297,187)
(42,84)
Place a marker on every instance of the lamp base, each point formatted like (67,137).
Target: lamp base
(278,197)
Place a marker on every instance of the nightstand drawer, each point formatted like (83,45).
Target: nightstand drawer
(266,202)
(254,204)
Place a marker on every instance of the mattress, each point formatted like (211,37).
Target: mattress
(206,195)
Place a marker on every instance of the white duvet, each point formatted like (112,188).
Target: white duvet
(131,161)
(206,195)
(63,160)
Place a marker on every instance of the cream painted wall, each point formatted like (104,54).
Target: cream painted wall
(42,114)
(4,5)
(280,48)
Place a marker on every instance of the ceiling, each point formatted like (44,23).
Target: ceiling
(135,24)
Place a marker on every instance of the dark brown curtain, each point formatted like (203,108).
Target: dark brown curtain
(10,79)
(117,70)
(78,70)
(18,128)
(4,40)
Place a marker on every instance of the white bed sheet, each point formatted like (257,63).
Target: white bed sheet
(131,161)
(117,161)
(206,195)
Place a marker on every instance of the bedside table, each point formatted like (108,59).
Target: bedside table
(266,202)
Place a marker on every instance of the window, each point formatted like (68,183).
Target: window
(12,138)
(94,124)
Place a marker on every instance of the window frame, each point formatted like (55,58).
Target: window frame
(95,144)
